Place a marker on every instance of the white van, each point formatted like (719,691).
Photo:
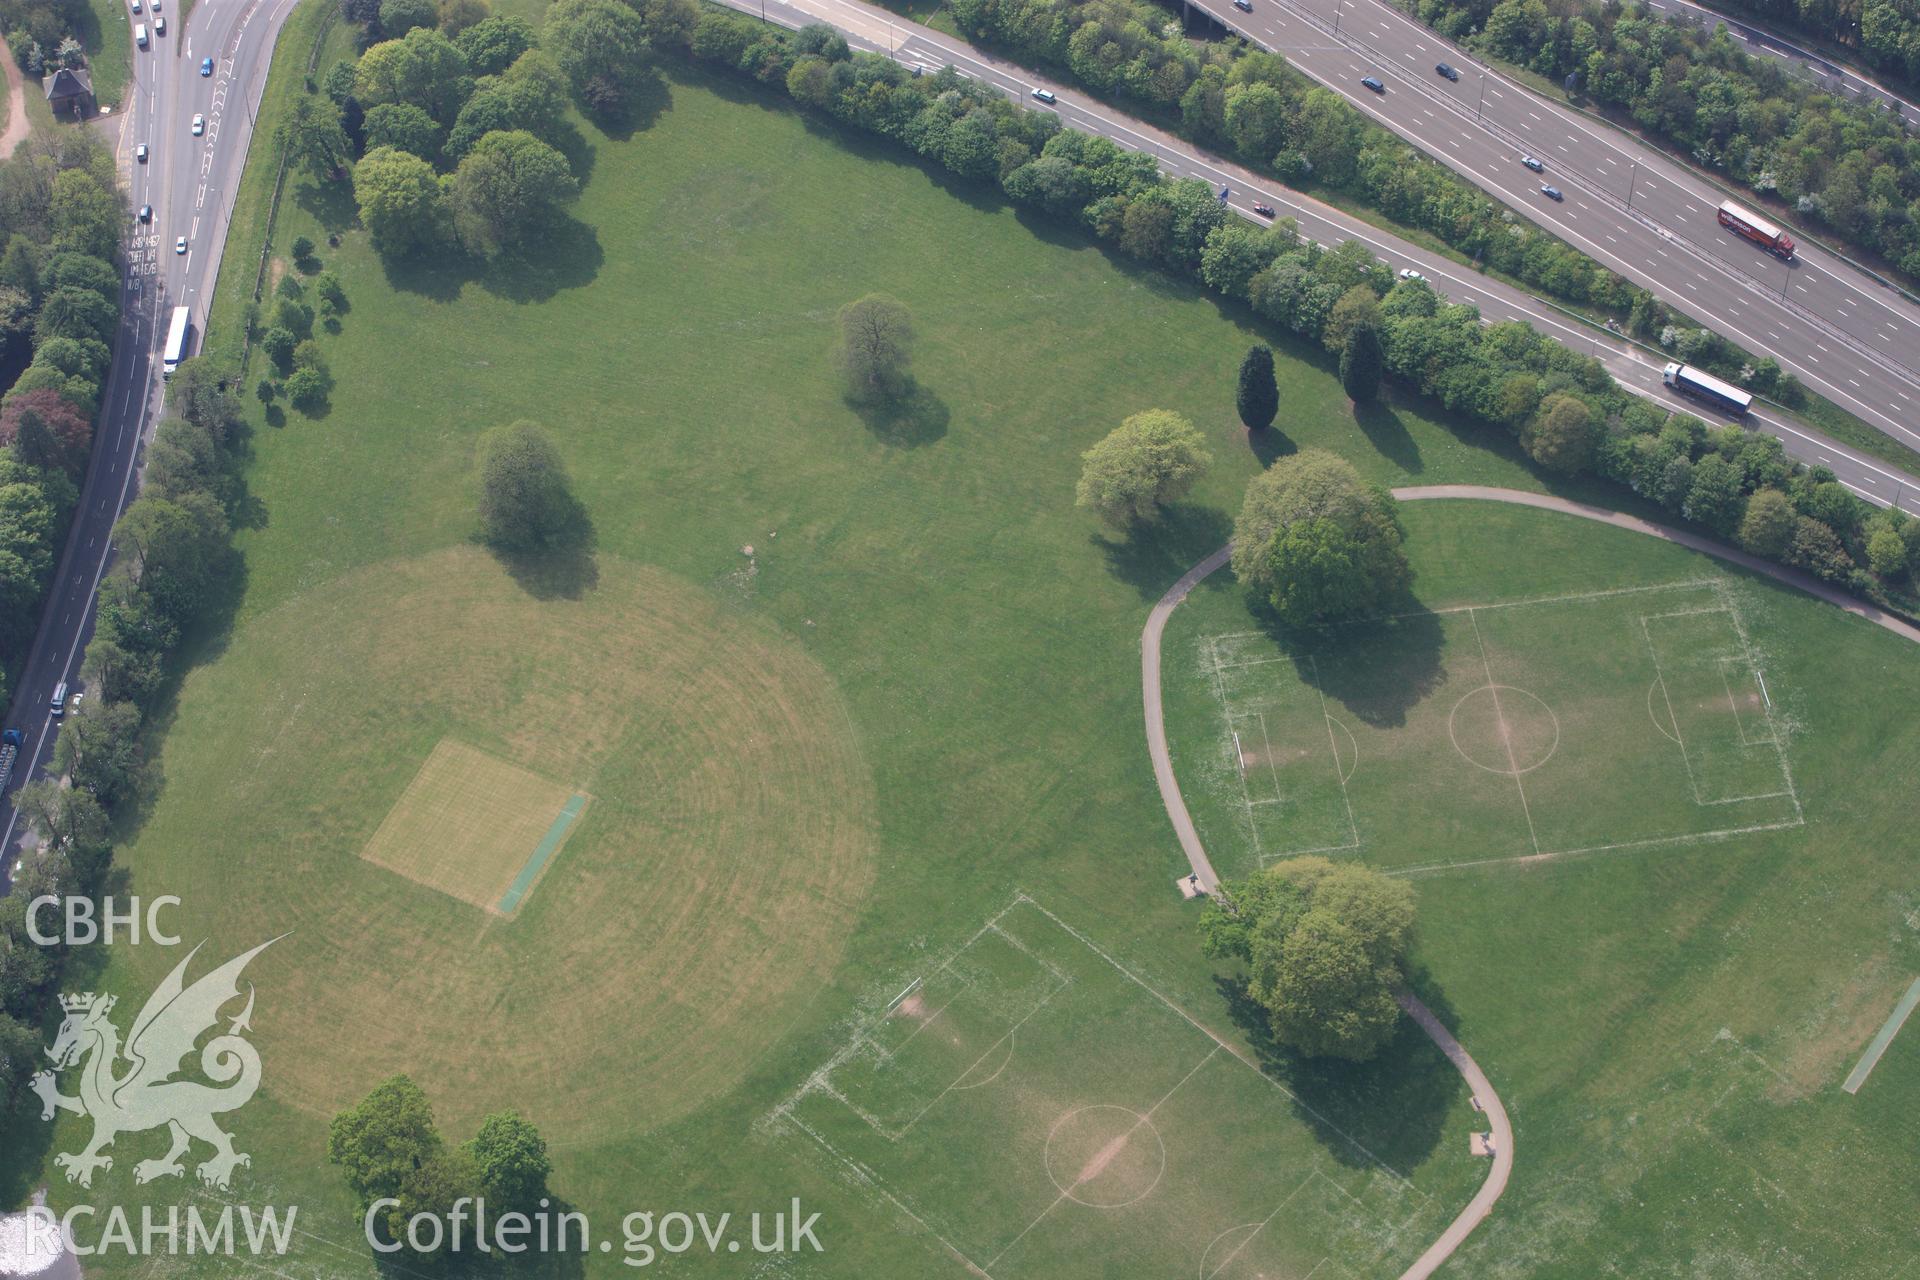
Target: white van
(140,34)
(59,704)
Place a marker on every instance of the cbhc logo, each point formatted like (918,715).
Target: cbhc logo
(82,927)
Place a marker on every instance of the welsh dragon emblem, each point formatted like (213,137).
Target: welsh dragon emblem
(132,1089)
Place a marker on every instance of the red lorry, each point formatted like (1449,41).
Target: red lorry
(1743,222)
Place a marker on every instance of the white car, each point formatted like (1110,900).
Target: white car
(199,124)
(1044,95)
(159,26)
(140,152)
(180,245)
(1408,273)
(136,6)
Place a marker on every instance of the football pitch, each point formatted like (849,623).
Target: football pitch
(1501,731)
(1045,1113)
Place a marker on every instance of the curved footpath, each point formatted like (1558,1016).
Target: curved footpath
(17,125)
(1482,1203)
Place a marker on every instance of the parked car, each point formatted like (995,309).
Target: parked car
(1552,193)
(1533,164)
(140,152)
(146,213)
(199,124)
(1044,95)
(180,245)
(1264,210)
(1408,273)
(1447,71)
(1373,83)
(206,66)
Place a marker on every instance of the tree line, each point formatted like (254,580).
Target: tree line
(174,559)
(1244,102)
(1849,168)
(1884,33)
(61,217)
(1562,408)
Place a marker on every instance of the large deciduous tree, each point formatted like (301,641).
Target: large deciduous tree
(510,187)
(423,68)
(1561,435)
(1324,946)
(45,430)
(526,499)
(600,44)
(875,354)
(1317,544)
(399,198)
(313,136)
(1148,461)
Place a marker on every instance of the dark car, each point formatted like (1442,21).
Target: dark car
(1447,71)
(146,213)
(1373,83)
(1552,193)
(1264,210)
(206,66)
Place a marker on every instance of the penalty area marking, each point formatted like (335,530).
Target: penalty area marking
(1895,1020)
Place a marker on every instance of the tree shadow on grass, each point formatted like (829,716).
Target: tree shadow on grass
(564,568)
(330,203)
(1270,444)
(438,273)
(651,98)
(1385,432)
(1391,1110)
(1378,668)
(566,255)
(1151,558)
(908,421)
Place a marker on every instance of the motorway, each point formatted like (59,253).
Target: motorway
(191,183)
(870,27)
(1844,334)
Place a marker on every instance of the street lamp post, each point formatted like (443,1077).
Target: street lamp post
(1631,180)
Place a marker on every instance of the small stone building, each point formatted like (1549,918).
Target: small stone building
(69,93)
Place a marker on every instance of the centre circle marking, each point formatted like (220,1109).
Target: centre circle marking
(1515,705)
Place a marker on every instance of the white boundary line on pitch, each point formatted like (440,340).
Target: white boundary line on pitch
(1745,656)
(818,1082)
(1260,854)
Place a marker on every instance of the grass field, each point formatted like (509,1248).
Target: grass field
(1101,1129)
(1503,730)
(927,672)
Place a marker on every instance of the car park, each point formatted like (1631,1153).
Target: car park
(199,124)
(1373,83)
(1552,193)
(140,152)
(1533,164)
(1408,273)
(1044,95)
(206,66)
(146,213)
(1264,210)
(180,245)
(1446,70)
